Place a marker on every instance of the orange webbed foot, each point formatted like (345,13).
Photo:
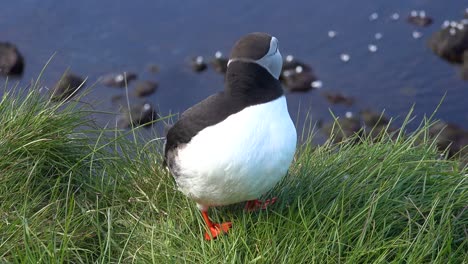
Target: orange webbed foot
(214,229)
(217,229)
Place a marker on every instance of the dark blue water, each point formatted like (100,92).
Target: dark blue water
(93,38)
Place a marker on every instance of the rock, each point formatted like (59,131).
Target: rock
(338,98)
(198,64)
(219,62)
(372,119)
(66,86)
(346,127)
(449,136)
(375,123)
(419,18)
(291,63)
(376,132)
(118,79)
(145,88)
(11,60)
(297,76)
(139,114)
(450,42)
(466,12)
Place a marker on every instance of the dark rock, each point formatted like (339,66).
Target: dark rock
(145,88)
(118,79)
(344,128)
(466,13)
(450,42)
(138,114)
(376,124)
(198,64)
(462,143)
(372,119)
(66,86)
(219,62)
(11,60)
(419,18)
(375,133)
(296,75)
(291,63)
(449,136)
(338,98)
(299,82)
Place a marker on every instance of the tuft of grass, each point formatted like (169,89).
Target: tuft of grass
(74,193)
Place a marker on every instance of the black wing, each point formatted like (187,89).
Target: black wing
(208,112)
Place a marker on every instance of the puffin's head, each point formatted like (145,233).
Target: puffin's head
(259,48)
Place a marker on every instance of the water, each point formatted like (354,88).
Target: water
(93,38)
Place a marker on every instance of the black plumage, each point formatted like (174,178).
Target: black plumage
(246,84)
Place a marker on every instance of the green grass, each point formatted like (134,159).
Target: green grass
(73,193)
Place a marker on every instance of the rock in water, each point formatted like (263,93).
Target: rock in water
(297,76)
(198,64)
(419,18)
(118,79)
(346,127)
(11,60)
(145,88)
(219,62)
(138,114)
(338,98)
(372,118)
(450,42)
(450,137)
(66,86)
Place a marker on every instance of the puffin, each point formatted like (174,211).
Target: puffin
(237,144)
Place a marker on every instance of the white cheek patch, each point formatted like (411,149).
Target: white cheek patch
(272,63)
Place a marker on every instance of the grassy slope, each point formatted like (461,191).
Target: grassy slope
(67,197)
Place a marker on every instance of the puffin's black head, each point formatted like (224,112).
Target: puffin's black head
(259,48)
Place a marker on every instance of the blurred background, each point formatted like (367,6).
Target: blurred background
(363,55)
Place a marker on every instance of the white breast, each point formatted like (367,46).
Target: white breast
(240,158)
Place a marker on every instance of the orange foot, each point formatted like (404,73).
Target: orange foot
(254,205)
(216,229)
